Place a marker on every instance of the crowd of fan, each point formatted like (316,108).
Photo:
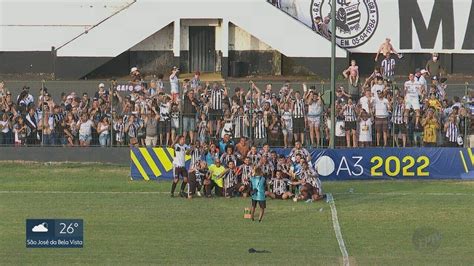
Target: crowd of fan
(375,113)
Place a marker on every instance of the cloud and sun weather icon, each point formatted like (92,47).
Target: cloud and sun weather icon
(54,233)
(40,228)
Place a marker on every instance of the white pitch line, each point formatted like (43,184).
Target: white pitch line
(79,192)
(407,193)
(164,192)
(337,230)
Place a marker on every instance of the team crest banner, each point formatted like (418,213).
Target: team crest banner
(340,164)
(414,26)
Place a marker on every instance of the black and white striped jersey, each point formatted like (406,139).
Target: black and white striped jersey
(226,158)
(240,128)
(196,157)
(452,132)
(388,67)
(299,108)
(254,158)
(267,169)
(230,178)
(350,113)
(398,114)
(217,97)
(260,131)
(245,173)
(279,185)
(201,174)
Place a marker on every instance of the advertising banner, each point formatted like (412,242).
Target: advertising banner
(416,26)
(376,163)
(340,164)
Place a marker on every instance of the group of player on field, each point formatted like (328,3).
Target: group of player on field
(228,173)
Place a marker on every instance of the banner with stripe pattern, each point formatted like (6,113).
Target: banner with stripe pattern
(152,163)
(340,164)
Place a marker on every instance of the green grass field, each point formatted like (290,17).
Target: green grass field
(140,224)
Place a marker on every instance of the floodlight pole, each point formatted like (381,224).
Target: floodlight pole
(333,74)
(111,122)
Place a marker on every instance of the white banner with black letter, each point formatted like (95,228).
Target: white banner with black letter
(415,26)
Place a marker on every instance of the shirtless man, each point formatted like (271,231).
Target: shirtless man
(386,48)
(352,74)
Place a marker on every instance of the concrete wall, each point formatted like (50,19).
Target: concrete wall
(241,40)
(162,40)
(26,62)
(154,54)
(319,67)
(70,154)
(259,57)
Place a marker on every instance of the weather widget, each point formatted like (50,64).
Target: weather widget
(54,233)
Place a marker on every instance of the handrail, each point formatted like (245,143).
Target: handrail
(96,25)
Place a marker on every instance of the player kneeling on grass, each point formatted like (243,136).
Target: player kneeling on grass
(230,179)
(179,165)
(197,178)
(257,182)
(309,183)
(245,172)
(212,180)
(279,187)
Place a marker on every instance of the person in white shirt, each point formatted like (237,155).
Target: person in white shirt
(287,124)
(181,149)
(412,89)
(152,89)
(423,78)
(382,107)
(174,83)
(315,109)
(366,101)
(378,86)
(5,130)
(103,128)
(30,98)
(25,97)
(85,126)
(365,129)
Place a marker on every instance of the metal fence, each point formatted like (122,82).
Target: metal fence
(274,138)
